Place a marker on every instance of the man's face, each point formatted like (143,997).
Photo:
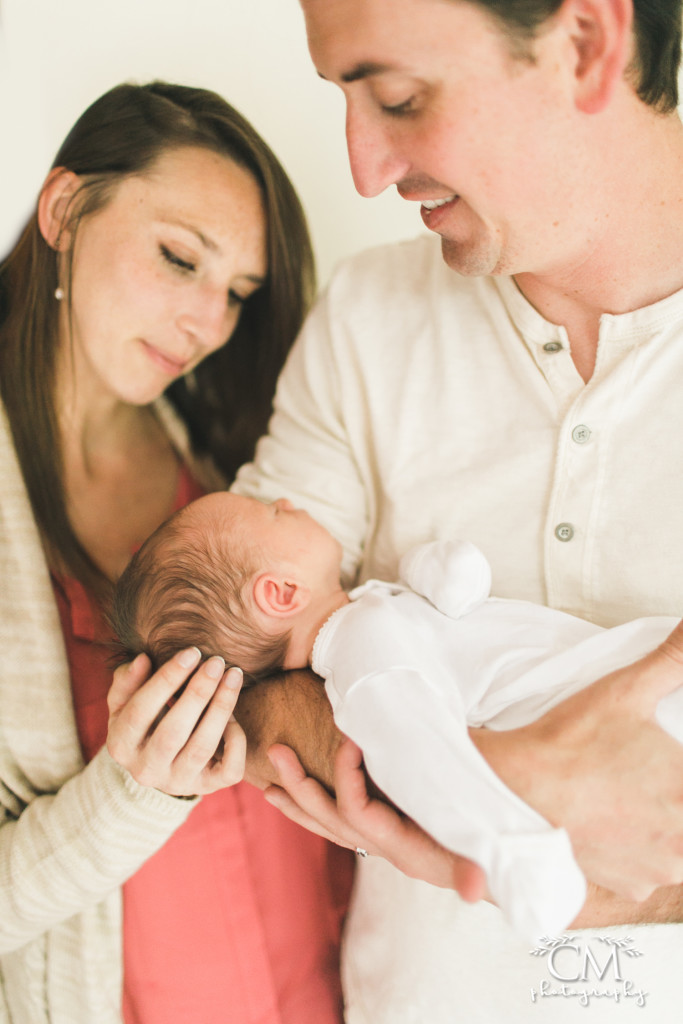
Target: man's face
(439,104)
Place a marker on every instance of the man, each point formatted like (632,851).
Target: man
(522,396)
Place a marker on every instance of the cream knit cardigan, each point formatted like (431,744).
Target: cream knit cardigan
(69,834)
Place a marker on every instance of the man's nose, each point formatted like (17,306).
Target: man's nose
(376,161)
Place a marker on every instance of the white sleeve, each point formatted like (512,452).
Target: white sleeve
(67,851)
(453,575)
(416,748)
(306,455)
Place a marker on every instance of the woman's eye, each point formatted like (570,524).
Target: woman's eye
(177,261)
(235,299)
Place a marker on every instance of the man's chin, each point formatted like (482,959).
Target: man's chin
(469,259)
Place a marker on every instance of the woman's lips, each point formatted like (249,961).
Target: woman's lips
(170,365)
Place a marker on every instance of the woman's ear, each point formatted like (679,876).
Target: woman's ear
(278,596)
(53,207)
(600,32)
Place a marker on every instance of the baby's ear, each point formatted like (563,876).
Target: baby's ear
(278,596)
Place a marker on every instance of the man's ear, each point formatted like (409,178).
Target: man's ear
(600,32)
(279,596)
(53,207)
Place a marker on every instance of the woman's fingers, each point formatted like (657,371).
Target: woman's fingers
(187,748)
(215,750)
(127,680)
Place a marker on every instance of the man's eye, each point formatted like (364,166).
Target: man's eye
(176,261)
(399,109)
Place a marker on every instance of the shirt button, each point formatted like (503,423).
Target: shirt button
(552,346)
(564,531)
(581,434)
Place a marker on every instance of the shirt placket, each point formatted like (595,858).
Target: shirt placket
(584,437)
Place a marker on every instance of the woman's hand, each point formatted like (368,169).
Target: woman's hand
(187,746)
(358,821)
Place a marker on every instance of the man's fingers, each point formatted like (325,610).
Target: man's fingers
(279,798)
(635,689)
(305,801)
(469,881)
(668,665)
(287,765)
(229,768)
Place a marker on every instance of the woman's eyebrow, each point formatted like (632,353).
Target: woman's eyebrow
(207,242)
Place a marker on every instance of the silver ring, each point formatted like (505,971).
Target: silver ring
(361,852)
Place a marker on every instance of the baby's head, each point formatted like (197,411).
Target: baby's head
(231,576)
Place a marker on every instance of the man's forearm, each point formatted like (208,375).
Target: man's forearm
(290,708)
(603,908)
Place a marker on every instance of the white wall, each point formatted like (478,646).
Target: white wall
(56,56)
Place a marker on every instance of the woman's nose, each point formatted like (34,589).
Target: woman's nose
(207,318)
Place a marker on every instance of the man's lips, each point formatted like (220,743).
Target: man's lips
(433,211)
(433,204)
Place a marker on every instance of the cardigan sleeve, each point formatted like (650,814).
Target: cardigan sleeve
(69,835)
(66,851)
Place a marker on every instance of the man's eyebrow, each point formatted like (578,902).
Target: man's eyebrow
(366,69)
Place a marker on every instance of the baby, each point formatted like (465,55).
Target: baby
(408,666)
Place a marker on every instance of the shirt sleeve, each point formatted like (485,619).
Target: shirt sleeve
(307,455)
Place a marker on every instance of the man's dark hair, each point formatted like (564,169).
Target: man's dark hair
(657,32)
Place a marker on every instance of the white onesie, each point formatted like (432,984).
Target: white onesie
(409,666)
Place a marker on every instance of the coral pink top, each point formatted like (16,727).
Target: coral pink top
(237,919)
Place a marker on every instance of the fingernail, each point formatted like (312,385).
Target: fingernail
(233,678)
(215,667)
(189,657)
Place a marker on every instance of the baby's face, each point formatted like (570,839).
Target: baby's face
(281,534)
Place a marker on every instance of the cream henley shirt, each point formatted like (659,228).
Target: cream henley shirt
(421,405)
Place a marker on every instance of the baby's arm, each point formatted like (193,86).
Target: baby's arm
(417,749)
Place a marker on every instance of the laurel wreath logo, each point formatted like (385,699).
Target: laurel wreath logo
(548,943)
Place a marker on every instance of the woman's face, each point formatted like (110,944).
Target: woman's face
(160,274)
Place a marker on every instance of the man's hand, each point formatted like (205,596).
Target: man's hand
(357,820)
(290,713)
(599,765)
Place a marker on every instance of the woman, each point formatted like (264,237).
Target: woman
(165,228)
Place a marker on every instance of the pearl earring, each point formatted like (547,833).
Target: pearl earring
(59,294)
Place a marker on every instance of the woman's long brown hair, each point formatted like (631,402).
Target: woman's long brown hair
(226,403)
